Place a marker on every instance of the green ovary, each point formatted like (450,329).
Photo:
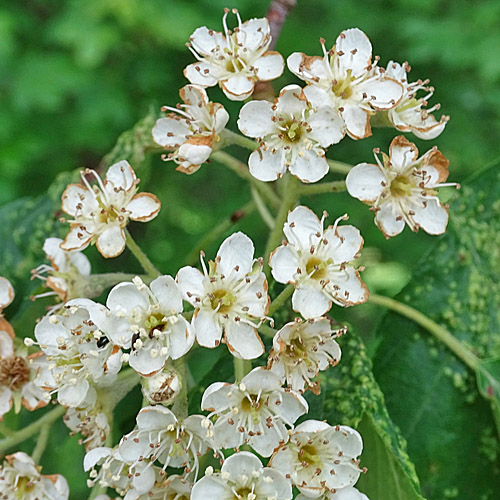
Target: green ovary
(314,263)
(401,187)
(24,485)
(309,455)
(342,88)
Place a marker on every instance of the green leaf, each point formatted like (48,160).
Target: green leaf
(488,382)
(352,397)
(431,395)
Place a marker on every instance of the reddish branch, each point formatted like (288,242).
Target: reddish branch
(277,14)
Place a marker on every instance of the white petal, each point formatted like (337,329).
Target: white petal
(433,218)
(344,245)
(181,337)
(314,66)
(127,297)
(236,256)
(256,119)
(364,181)
(211,487)
(309,166)
(310,302)
(317,96)
(217,397)
(142,361)
(76,239)
(171,132)
(193,153)
(201,73)
(121,175)
(220,117)
(5,401)
(55,254)
(327,126)
(190,281)
(143,207)
(238,87)
(265,165)
(301,227)
(93,457)
(81,263)
(243,341)
(389,219)
(155,417)
(357,51)
(242,463)
(357,121)
(194,96)
(205,41)
(283,265)
(6,345)
(111,242)
(73,395)
(168,294)
(384,93)
(269,66)
(207,330)
(292,406)
(352,290)
(402,152)
(254,34)
(78,200)
(291,101)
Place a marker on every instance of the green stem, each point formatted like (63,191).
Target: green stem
(143,259)
(291,192)
(41,443)
(30,430)
(267,331)
(281,299)
(241,169)
(181,405)
(339,166)
(241,368)
(97,490)
(443,335)
(216,232)
(324,187)
(4,430)
(95,284)
(261,208)
(228,137)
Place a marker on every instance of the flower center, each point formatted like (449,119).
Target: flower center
(293,131)
(316,267)
(154,322)
(342,88)
(401,186)
(14,373)
(309,455)
(251,404)
(109,213)
(244,494)
(222,301)
(24,485)
(296,349)
(234,65)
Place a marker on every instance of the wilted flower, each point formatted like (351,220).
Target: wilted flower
(236,59)
(255,411)
(317,261)
(230,297)
(20,479)
(410,114)
(92,424)
(349,78)
(162,387)
(293,134)
(301,349)
(402,188)
(101,212)
(191,129)
(319,458)
(242,476)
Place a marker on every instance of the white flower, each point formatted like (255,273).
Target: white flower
(320,458)
(155,328)
(293,135)
(92,424)
(100,212)
(409,115)
(6,294)
(230,297)
(64,275)
(170,487)
(78,353)
(317,262)
(242,476)
(236,59)
(162,387)
(348,493)
(255,411)
(402,188)
(301,350)
(349,78)
(20,479)
(189,132)
(161,436)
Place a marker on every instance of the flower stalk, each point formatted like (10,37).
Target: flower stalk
(143,259)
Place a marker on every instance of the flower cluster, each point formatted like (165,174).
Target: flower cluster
(148,329)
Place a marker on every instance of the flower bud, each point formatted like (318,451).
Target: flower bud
(162,387)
